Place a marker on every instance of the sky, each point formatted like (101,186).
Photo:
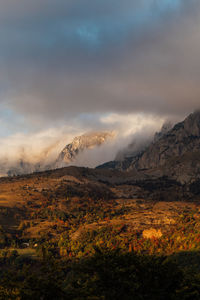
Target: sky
(72,66)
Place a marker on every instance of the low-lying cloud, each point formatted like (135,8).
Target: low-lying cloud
(26,153)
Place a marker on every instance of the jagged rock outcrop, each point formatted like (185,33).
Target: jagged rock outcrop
(183,138)
(174,153)
(67,156)
(126,156)
(81,143)
(167,126)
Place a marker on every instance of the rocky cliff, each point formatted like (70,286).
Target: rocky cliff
(81,143)
(174,153)
(67,156)
(182,139)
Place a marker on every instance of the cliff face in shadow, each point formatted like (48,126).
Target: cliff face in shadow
(183,138)
(175,154)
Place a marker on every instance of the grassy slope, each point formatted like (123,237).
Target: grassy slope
(86,207)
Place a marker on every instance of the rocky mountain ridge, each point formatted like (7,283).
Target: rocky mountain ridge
(175,153)
(183,138)
(81,143)
(66,157)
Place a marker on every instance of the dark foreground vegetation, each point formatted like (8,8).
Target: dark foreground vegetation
(108,274)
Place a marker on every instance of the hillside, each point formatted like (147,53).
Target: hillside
(59,223)
(81,196)
(72,230)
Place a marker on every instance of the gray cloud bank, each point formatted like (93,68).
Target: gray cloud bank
(60,59)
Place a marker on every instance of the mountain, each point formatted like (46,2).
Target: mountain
(65,229)
(174,153)
(81,143)
(167,126)
(67,156)
(140,143)
(183,138)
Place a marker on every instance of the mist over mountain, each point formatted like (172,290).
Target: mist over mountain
(26,153)
(26,161)
(80,144)
(140,142)
(174,153)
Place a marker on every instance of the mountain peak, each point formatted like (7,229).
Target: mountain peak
(174,152)
(191,124)
(81,143)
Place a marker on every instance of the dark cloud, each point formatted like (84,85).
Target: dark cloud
(60,59)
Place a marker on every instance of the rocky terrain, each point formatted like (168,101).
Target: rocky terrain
(80,144)
(174,153)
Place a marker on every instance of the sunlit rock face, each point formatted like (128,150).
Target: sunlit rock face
(66,157)
(82,143)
